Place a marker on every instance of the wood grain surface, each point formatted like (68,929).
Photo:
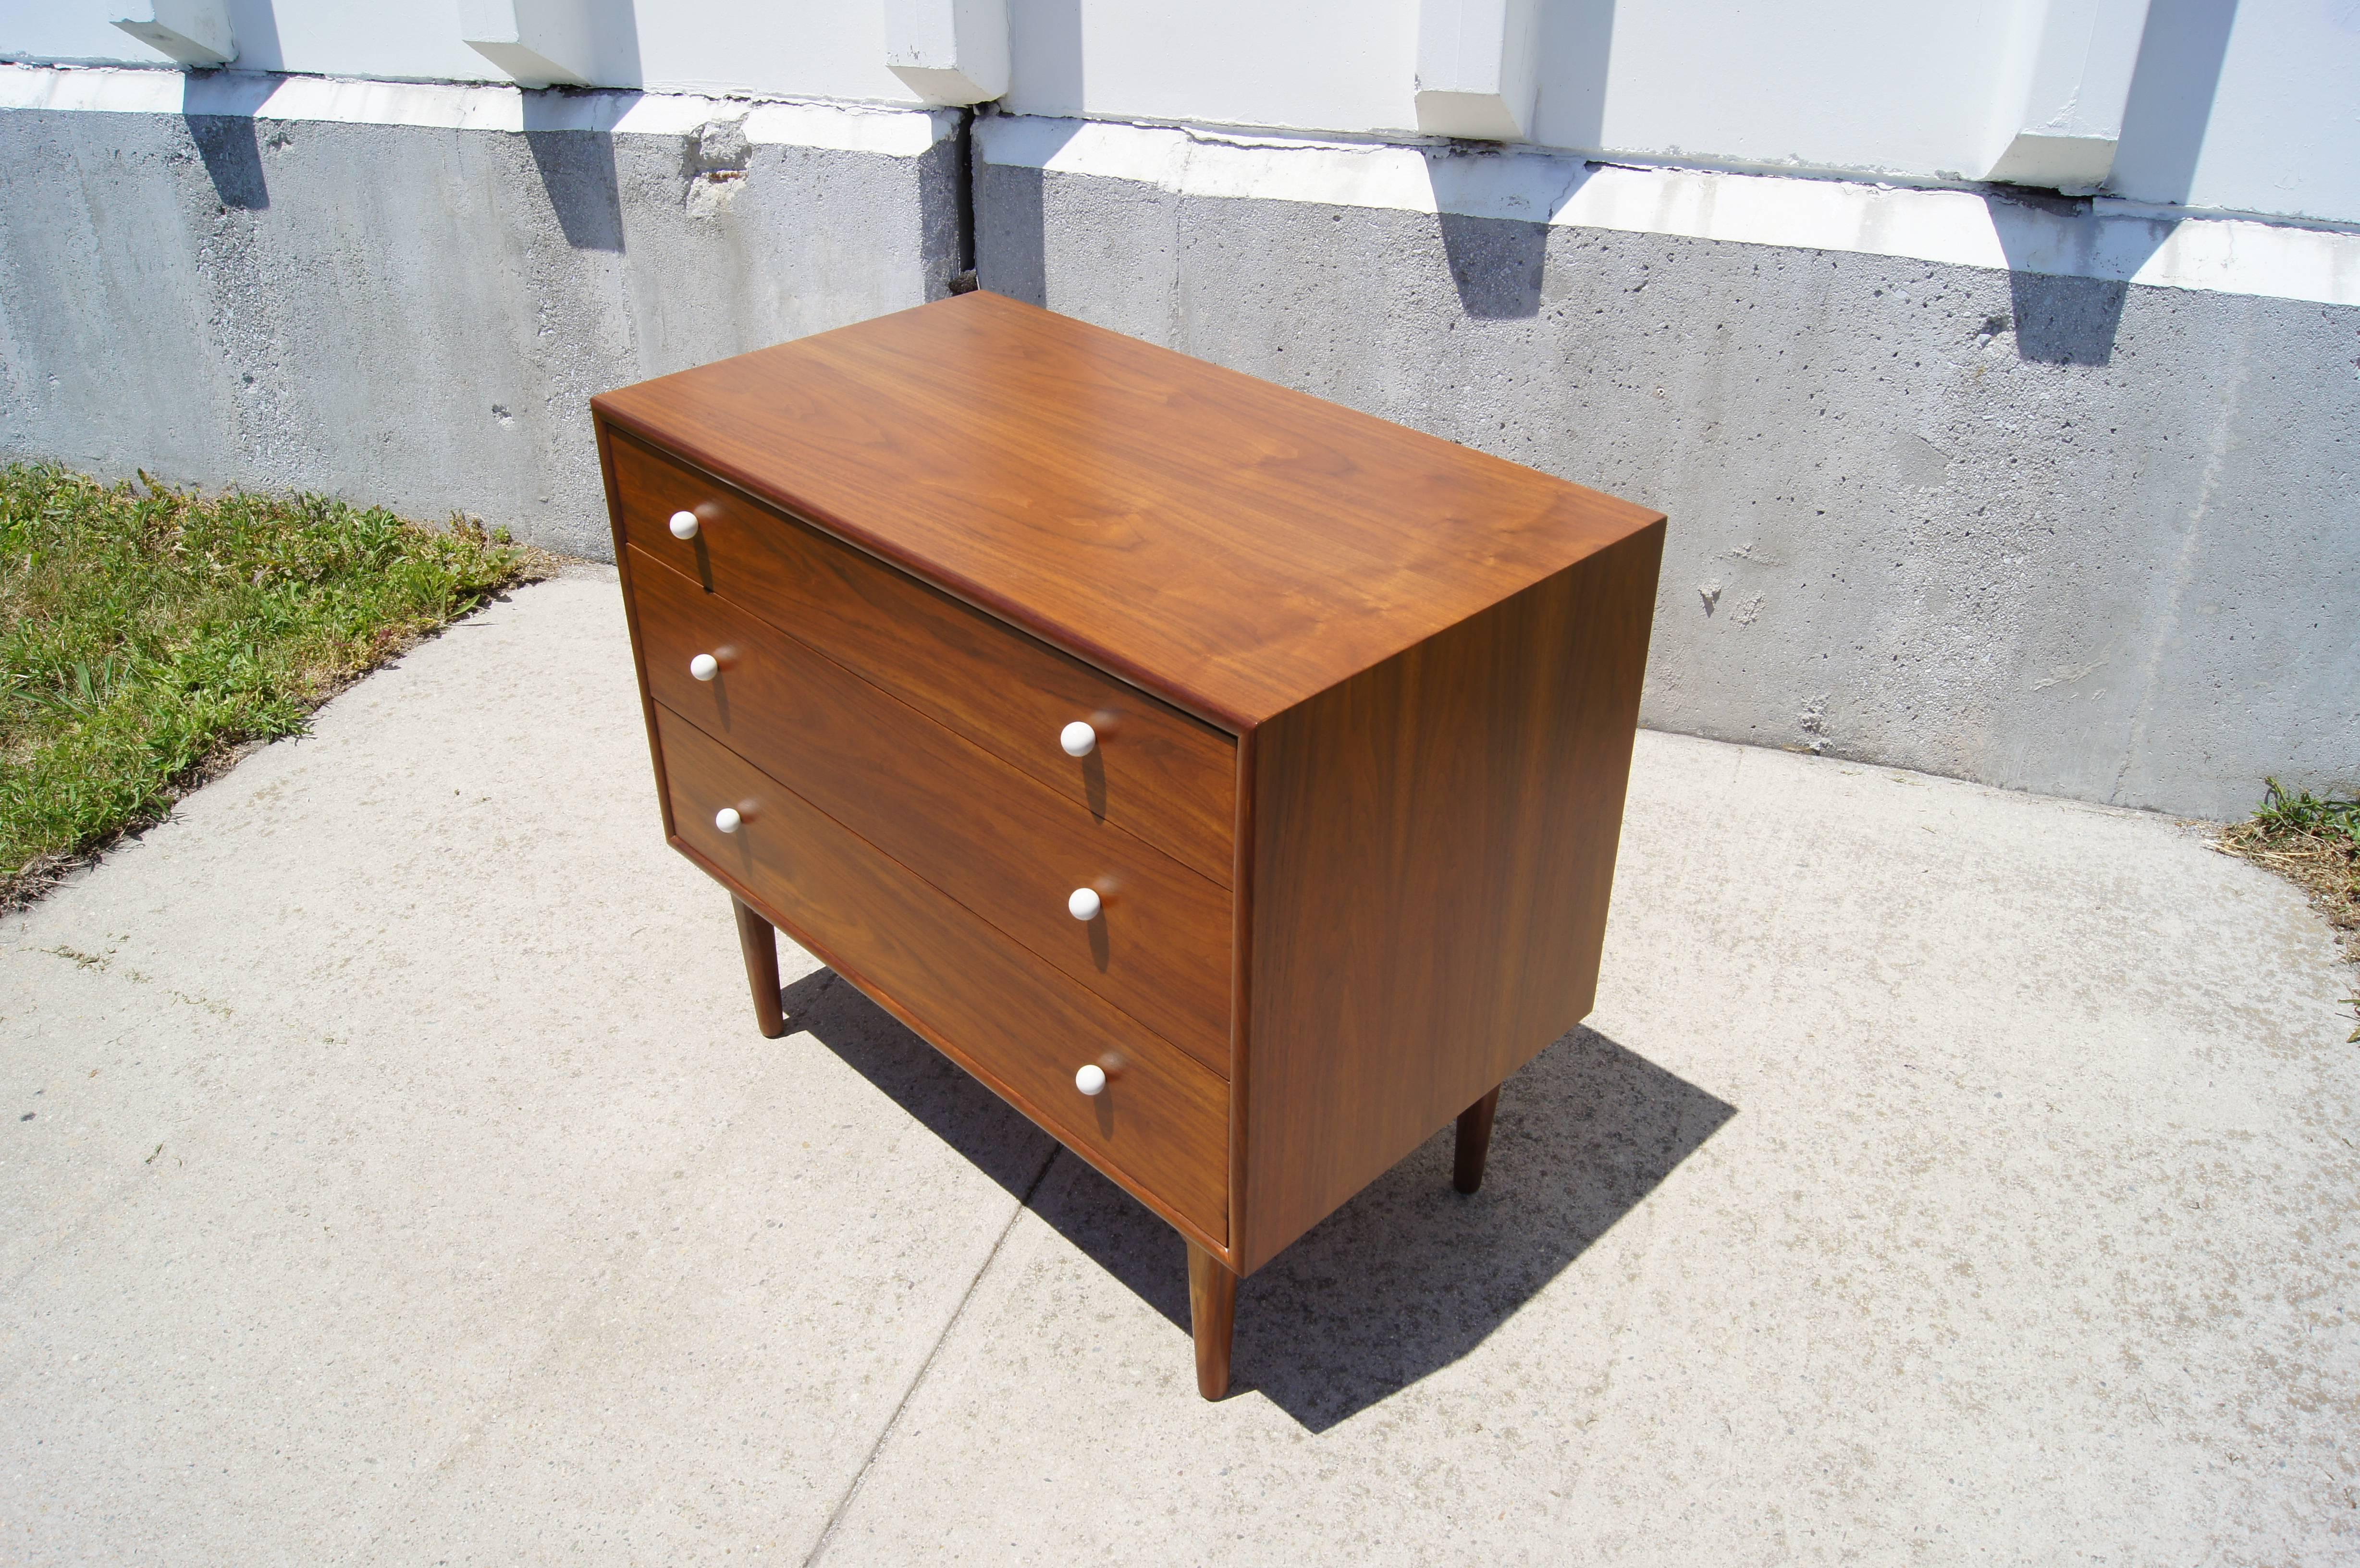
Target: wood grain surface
(1212,1319)
(1166,776)
(759,944)
(1218,539)
(1434,847)
(1161,1126)
(989,836)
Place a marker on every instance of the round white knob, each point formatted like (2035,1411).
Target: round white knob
(1091,1080)
(1083,903)
(705,667)
(683,524)
(1078,739)
(726,819)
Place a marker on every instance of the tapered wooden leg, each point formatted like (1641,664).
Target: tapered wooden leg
(760,940)
(1474,1142)
(1212,1318)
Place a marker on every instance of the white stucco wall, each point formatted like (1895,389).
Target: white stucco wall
(2236,105)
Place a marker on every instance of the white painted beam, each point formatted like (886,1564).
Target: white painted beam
(194,32)
(541,43)
(948,51)
(1476,68)
(2063,89)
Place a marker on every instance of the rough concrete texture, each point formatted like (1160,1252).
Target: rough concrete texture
(417,317)
(392,1174)
(2047,533)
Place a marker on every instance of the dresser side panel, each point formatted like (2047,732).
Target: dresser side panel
(1433,852)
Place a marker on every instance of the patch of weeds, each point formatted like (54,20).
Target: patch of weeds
(147,635)
(2314,844)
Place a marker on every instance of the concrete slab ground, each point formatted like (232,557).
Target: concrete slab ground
(392,1174)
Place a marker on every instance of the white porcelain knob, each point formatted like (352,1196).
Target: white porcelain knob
(1078,739)
(683,524)
(1083,903)
(1091,1080)
(726,819)
(705,667)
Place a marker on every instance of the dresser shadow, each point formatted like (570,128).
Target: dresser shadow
(1399,1283)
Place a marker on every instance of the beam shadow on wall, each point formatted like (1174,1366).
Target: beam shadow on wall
(1406,1279)
(571,137)
(1492,206)
(2068,270)
(2069,317)
(1045,41)
(1012,221)
(1495,253)
(1495,264)
(577,172)
(218,107)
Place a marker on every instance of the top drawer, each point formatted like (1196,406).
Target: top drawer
(1167,777)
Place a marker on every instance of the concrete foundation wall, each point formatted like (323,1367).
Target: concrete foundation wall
(417,315)
(2067,533)
(2053,533)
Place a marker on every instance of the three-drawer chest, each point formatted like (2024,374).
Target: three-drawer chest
(1230,781)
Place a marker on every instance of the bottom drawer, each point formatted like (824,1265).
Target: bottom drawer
(1160,1125)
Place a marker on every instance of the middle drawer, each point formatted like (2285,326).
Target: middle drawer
(1008,848)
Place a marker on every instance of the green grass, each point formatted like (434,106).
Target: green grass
(147,634)
(2281,815)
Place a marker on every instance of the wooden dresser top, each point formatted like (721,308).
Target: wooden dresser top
(1215,538)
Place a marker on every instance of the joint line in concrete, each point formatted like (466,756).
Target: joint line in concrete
(844,1504)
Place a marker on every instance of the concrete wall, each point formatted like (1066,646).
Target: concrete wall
(2053,494)
(2232,105)
(416,314)
(2063,533)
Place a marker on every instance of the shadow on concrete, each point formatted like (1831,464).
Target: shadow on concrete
(2066,321)
(2070,269)
(1050,77)
(233,158)
(1012,233)
(572,133)
(1495,265)
(218,107)
(947,208)
(1011,240)
(2069,272)
(996,1138)
(1492,205)
(1405,1279)
(577,171)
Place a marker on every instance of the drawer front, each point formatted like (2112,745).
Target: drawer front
(990,837)
(1160,1125)
(1167,777)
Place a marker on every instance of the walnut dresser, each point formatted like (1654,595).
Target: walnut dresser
(1230,781)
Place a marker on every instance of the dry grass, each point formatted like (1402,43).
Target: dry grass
(2315,844)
